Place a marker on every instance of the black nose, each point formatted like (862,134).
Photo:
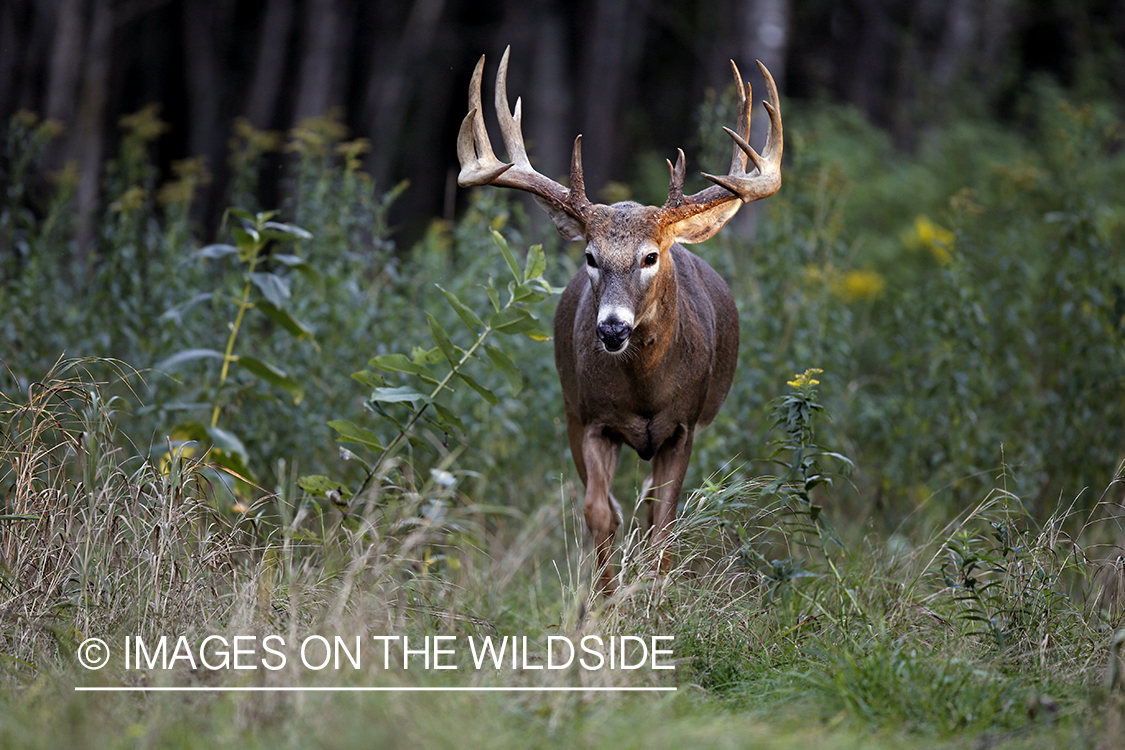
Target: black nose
(614,333)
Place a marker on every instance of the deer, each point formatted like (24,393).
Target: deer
(646,335)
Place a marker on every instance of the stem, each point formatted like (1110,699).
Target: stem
(389,450)
(228,356)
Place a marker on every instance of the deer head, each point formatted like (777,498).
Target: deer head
(646,337)
(625,242)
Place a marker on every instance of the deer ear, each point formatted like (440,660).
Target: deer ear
(703,225)
(569,227)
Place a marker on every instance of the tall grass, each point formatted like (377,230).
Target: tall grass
(966,312)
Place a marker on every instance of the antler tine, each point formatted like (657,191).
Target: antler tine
(742,127)
(773,106)
(577,194)
(479,165)
(676,176)
(766,179)
(510,127)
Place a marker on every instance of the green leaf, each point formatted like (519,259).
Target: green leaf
(226,441)
(513,320)
(488,395)
(349,432)
(273,375)
(536,263)
(426,356)
(187,355)
(493,295)
(467,316)
(504,364)
(176,314)
(235,465)
(402,363)
(279,315)
(216,251)
(448,417)
(441,338)
(536,335)
(507,253)
(398,395)
(298,264)
(247,239)
(525,293)
(369,379)
(273,287)
(320,485)
(287,230)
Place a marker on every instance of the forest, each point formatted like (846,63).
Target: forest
(267,372)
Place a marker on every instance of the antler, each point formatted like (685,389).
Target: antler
(763,182)
(479,165)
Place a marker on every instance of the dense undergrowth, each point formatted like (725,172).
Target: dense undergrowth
(299,428)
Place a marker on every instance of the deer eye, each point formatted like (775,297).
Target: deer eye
(590,261)
(650,259)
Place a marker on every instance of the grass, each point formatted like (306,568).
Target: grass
(993,632)
(959,589)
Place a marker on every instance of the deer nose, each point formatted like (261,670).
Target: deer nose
(614,333)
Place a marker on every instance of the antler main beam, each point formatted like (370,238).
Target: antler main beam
(762,182)
(479,165)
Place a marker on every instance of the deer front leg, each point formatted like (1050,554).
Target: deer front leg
(669,466)
(600,454)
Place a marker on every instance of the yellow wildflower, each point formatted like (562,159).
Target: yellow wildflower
(259,141)
(964,201)
(130,200)
(928,236)
(352,151)
(67,177)
(26,119)
(859,285)
(191,174)
(144,124)
(315,134)
(805,379)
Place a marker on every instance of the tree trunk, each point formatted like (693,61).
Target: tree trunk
(393,63)
(320,85)
(615,38)
(87,141)
(269,65)
(66,60)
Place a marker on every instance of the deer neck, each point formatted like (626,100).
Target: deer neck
(659,329)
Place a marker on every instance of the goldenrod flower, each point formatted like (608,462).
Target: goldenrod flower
(190,174)
(130,200)
(144,124)
(315,134)
(805,379)
(352,151)
(928,236)
(859,285)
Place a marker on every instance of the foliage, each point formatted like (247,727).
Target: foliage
(512,316)
(267,291)
(964,303)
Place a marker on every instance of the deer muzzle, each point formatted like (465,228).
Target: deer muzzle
(614,333)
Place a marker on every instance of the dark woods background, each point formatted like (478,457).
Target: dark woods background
(628,74)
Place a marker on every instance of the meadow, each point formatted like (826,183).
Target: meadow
(904,527)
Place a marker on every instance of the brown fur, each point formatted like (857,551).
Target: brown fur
(670,381)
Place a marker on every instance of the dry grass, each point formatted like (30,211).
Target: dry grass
(844,636)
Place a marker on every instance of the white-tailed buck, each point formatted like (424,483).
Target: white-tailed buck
(646,336)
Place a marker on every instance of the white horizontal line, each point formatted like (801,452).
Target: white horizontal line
(263,689)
